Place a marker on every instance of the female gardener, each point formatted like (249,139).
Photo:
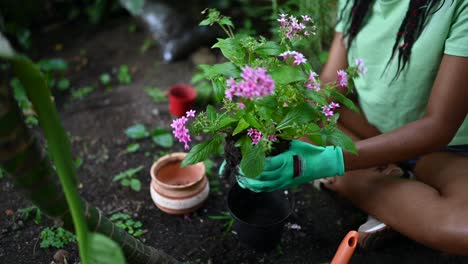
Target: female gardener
(414,104)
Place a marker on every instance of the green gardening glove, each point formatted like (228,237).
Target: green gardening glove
(302,163)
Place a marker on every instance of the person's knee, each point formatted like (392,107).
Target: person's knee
(449,233)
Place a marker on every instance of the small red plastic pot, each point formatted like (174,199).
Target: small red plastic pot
(181,99)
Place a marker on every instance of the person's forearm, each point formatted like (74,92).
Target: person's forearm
(410,141)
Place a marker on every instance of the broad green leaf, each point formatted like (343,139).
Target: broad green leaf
(104,250)
(285,74)
(340,139)
(224,122)
(135,184)
(125,182)
(6,51)
(316,97)
(299,114)
(344,100)
(201,152)
(137,131)
(133,147)
(218,89)
(253,162)
(211,112)
(241,126)
(162,137)
(227,69)
(231,49)
(252,120)
(226,21)
(268,48)
(57,141)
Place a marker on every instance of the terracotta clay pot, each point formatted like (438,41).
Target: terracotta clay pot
(177,190)
(181,99)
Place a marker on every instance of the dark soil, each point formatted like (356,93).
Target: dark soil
(96,125)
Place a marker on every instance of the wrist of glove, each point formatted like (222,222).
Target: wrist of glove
(302,163)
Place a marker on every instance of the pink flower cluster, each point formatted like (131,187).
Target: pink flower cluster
(256,136)
(327,110)
(342,79)
(297,56)
(292,28)
(255,83)
(312,83)
(360,65)
(180,131)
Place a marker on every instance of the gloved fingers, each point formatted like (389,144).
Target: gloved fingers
(278,162)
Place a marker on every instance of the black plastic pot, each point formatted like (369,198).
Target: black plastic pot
(259,217)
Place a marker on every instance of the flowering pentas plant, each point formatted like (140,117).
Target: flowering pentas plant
(268,93)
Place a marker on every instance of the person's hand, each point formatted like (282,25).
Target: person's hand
(302,163)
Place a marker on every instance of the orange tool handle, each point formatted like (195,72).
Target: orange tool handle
(346,249)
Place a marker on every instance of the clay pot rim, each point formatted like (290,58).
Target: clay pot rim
(173,157)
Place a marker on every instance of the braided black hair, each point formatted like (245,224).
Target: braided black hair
(410,29)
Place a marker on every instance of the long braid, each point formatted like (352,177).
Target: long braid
(410,29)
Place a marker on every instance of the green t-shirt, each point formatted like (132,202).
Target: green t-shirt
(389,107)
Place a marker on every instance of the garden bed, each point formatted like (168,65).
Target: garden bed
(96,125)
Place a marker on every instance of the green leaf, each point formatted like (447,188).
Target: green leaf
(156,94)
(227,69)
(135,7)
(55,64)
(38,218)
(162,137)
(241,126)
(302,113)
(316,97)
(137,131)
(123,75)
(344,100)
(104,250)
(63,84)
(127,174)
(253,162)
(105,78)
(135,184)
(133,147)
(226,21)
(57,141)
(78,162)
(125,182)
(218,89)
(224,122)
(6,51)
(231,49)
(201,152)
(251,120)
(268,48)
(285,74)
(340,139)
(211,113)
(82,92)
